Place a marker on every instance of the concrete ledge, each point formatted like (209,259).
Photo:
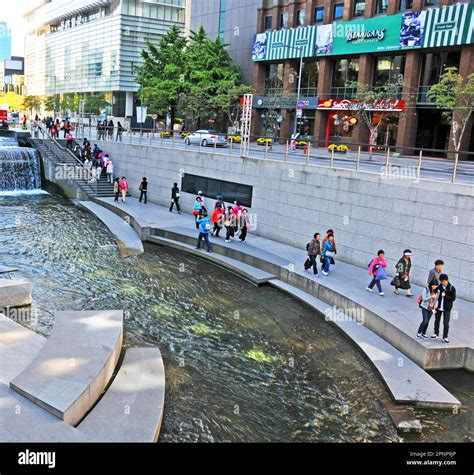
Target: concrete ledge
(75,364)
(252,274)
(132,408)
(128,241)
(15,293)
(405,380)
(18,348)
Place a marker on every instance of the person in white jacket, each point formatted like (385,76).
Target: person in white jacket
(428,303)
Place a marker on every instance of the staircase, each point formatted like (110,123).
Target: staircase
(55,151)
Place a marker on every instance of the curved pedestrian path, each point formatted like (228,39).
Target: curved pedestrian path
(394,319)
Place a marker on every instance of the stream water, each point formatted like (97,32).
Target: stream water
(242,363)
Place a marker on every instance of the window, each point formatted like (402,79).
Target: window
(300,17)
(284,20)
(274,77)
(338,12)
(359,8)
(382,6)
(268,22)
(309,79)
(211,188)
(432,3)
(389,70)
(319,14)
(405,5)
(345,70)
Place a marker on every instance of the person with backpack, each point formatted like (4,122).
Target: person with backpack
(446,299)
(314,250)
(428,302)
(143,190)
(328,253)
(402,279)
(69,141)
(377,271)
(175,195)
(217,219)
(204,228)
(124,189)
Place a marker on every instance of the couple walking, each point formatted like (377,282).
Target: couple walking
(120,187)
(326,250)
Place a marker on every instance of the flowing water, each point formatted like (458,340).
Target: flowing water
(242,363)
(19,167)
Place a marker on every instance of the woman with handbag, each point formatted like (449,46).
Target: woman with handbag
(429,304)
(377,271)
(329,251)
(402,279)
(229,223)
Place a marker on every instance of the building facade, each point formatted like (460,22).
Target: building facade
(5,41)
(12,75)
(234,21)
(90,47)
(407,43)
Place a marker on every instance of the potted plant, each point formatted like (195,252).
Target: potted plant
(343,149)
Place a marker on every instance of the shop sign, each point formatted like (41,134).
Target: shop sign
(393,105)
(282,102)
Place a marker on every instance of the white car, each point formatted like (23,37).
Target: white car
(206,138)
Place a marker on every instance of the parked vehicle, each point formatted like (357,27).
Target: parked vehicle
(13,118)
(206,138)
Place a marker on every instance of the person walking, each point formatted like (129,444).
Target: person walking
(244,225)
(100,166)
(143,190)
(328,253)
(229,223)
(428,302)
(198,205)
(110,171)
(314,250)
(377,271)
(446,299)
(436,272)
(69,141)
(124,189)
(220,202)
(175,195)
(204,228)
(116,189)
(402,279)
(329,233)
(118,138)
(110,129)
(217,219)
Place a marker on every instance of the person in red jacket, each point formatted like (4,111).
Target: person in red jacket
(217,218)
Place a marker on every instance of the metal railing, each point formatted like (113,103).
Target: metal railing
(79,173)
(388,160)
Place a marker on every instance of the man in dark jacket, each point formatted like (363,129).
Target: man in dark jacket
(144,190)
(314,250)
(403,272)
(447,297)
(175,198)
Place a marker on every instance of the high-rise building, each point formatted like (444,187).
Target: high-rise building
(5,42)
(90,46)
(12,74)
(374,42)
(234,21)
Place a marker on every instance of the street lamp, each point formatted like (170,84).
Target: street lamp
(301,50)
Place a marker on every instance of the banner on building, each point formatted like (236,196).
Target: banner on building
(437,27)
(392,105)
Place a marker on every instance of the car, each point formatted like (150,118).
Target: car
(206,138)
(13,118)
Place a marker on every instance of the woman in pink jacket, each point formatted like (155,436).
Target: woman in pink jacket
(124,188)
(377,271)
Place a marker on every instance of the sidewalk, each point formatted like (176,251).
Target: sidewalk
(394,318)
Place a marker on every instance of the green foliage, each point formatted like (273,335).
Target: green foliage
(69,102)
(198,78)
(455,96)
(32,103)
(95,104)
(51,103)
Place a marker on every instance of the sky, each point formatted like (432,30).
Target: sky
(11,11)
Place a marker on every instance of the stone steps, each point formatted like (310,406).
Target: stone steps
(15,293)
(74,366)
(132,408)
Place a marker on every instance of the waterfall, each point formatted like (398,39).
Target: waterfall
(19,167)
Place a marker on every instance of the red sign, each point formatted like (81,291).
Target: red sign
(3,115)
(392,105)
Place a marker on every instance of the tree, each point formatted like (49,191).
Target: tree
(51,103)
(367,95)
(32,103)
(455,96)
(14,101)
(95,104)
(69,102)
(161,77)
